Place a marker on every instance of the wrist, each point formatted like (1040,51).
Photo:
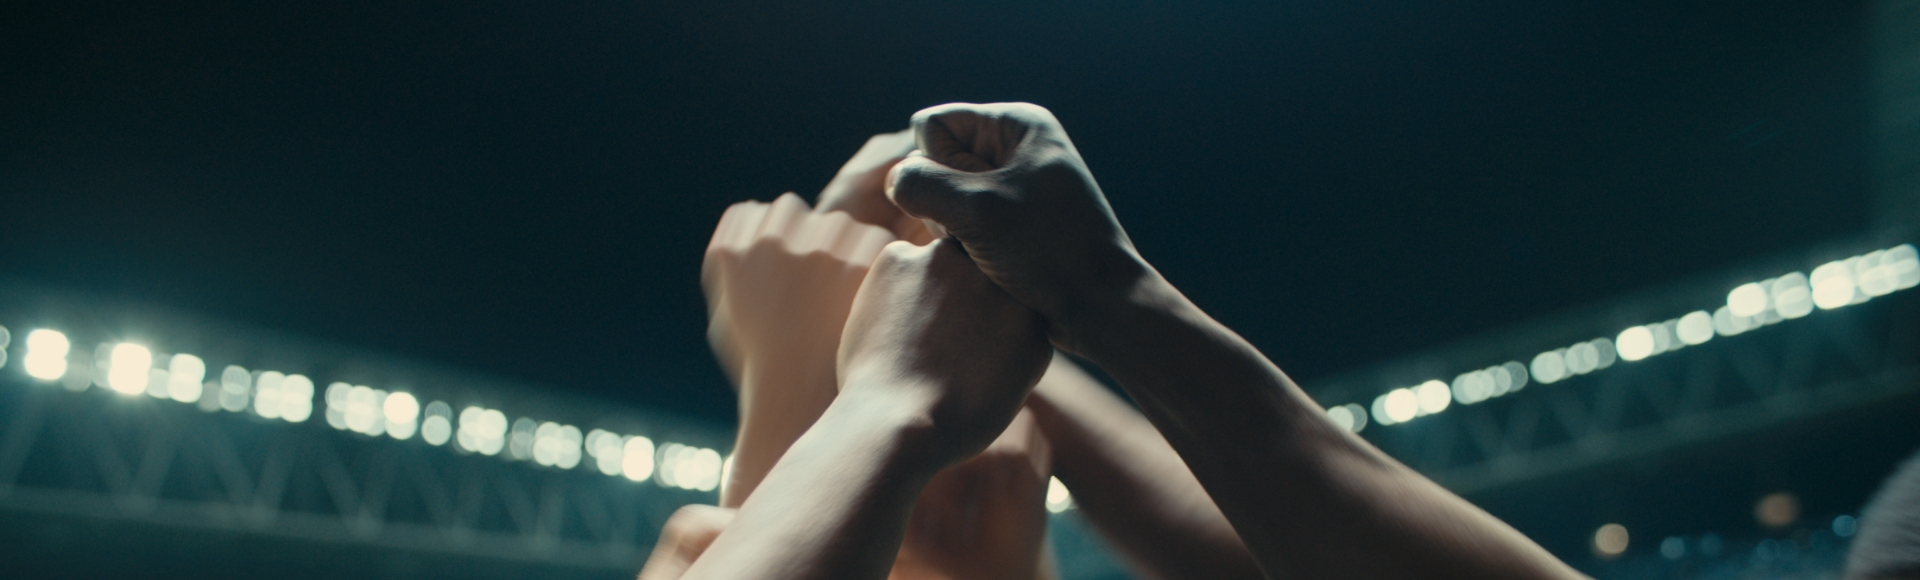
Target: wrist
(1096,324)
(897,427)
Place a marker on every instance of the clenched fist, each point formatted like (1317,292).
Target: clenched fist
(932,335)
(1006,182)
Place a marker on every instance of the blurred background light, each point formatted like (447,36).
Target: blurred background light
(1610,540)
(46,354)
(1634,343)
(127,369)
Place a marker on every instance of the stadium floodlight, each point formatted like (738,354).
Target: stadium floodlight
(46,354)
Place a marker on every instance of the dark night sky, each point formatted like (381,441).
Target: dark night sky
(525,188)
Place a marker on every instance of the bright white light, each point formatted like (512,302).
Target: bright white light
(1342,417)
(266,394)
(1380,411)
(1610,540)
(1695,328)
(468,436)
(1549,367)
(401,411)
(1747,300)
(566,448)
(688,470)
(435,430)
(1058,498)
(1402,405)
(520,445)
(46,354)
(127,371)
(1359,414)
(1792,298)
(606,450)
(1725,323)
(1903,265)
(296,398)
(401,407)
(666,464)
(1634,343)
(1515,371)
(1434,397)
(184,374)
(636,461)
(1582,358)
(708,464)
(235,384)
(493,431)
(1832,285)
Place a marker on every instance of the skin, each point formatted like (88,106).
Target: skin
(1310,500)
(1131,485)
(936,361)
(780,279)
(1128,482)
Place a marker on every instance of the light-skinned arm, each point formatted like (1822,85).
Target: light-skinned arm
(1310,500)
(934,363)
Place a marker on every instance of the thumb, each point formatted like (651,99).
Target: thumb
(926,189)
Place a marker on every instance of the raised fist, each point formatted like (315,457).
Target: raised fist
(1006,182)
(932,335)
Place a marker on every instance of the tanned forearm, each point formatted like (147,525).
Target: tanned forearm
(1309,499)
(836,504)
(1131,485)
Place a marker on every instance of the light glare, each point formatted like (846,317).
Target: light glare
(127,373)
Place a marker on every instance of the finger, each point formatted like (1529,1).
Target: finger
(926,189)
(976,138)
(784,215)
(738,224)
(859,188)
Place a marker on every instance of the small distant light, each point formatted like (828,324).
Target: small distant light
(1581,358)
(607,452)
(1845,526)
(707,474)
(1380,411)
(1777,510)
(46,354)
(235,385)
(266,394)
(401,407)
(1472,387)
(1604,348)
(1903,264)
(1663,338)
(435,430)
(1610,540)
(1747,300)
(127,371)
(1517,373)
(637,459)
(1673,548)
(1634,343)
(1727,324)
(1549,367)
(567,449)
(1058,498)
(184,373)
(296,398)
(1434,397)
(1695,328)
(1792,297)
(1341,417)
(666,464)
(492,430)
(1832,285)
(520,445)
(1402,405)
(1359,414)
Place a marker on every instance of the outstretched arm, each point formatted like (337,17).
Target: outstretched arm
(935,361)
(1131,484)
(1309,499)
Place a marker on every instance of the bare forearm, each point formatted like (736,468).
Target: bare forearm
(1309,499)
(836,504)
(1131,484)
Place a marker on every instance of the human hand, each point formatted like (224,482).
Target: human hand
(779,281)
(933,335)
(688,533)
(984,518)
(860,188)
(1005,180)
